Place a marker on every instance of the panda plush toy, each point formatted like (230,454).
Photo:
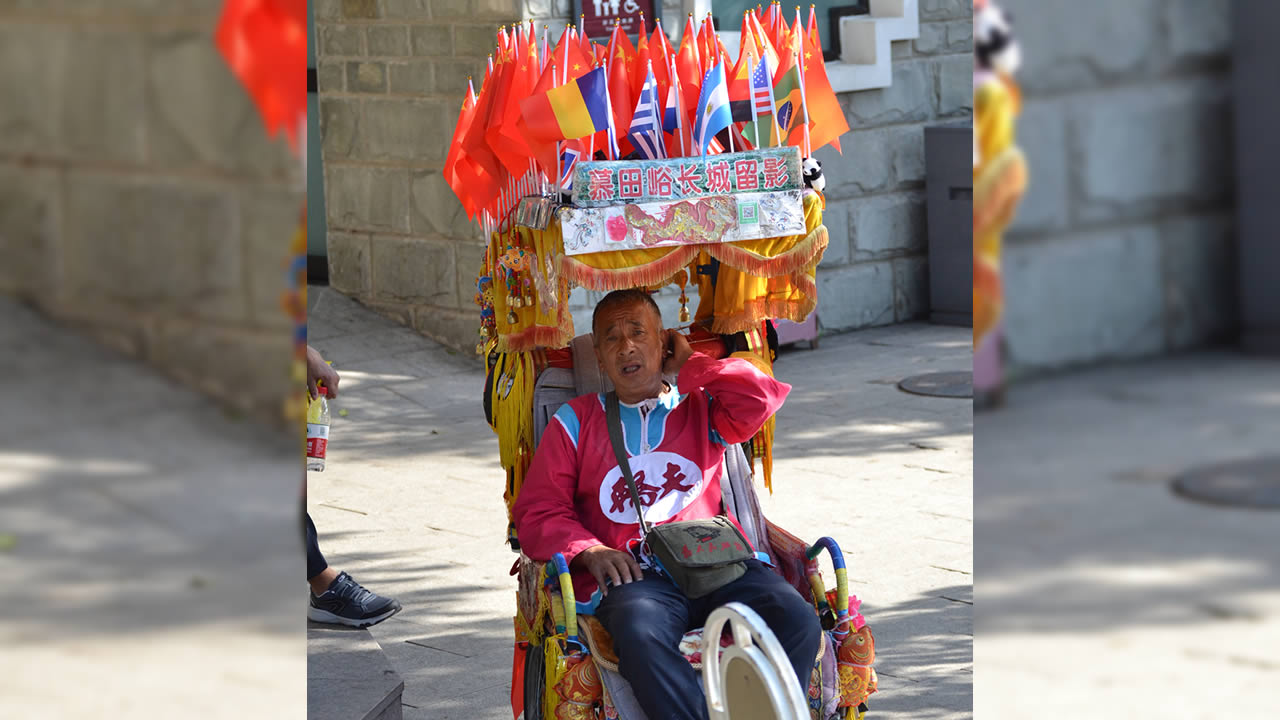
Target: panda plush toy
(995,50)
(812,170)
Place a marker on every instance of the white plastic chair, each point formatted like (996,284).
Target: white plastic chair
(752,679)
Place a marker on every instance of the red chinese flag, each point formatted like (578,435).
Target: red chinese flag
(826,118)
(622,56)
(498,110)
(770,54)
(661,52)
(512,147)
(265,43)
(639,69)
(689,67)
(475,143)
(450,173)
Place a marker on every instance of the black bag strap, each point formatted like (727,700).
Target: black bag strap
(613,416)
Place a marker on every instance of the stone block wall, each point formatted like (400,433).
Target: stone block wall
(391,79)
(1123,245)
(140,197)
(876,270)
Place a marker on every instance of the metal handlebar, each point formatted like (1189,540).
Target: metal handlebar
(842,581)
(566,594)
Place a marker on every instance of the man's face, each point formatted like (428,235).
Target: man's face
(629,344)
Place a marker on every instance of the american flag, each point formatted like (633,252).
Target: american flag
(761,92)
(645,132)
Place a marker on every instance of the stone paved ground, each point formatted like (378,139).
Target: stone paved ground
(1101,593)
(411,504)
(149,544)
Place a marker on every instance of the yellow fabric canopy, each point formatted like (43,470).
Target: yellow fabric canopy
(757,279)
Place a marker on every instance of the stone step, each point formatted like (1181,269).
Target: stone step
(349,677)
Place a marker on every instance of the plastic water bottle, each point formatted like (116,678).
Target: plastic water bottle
(318,430)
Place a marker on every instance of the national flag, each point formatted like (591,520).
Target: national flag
(826,118)
(713,108)
(689,65)
(641,68)
(263,43)
(662,55)
(567,62)
(569,156)
(740,86)
(645,132)
(504,135)
(474,142)
(451,175)
(767,50)
(576,109)
(675,120)
(762,131)
(787,97)
(621,58)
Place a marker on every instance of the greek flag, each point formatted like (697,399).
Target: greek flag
(645,132)
(713,108)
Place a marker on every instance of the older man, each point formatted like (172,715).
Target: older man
(574,500)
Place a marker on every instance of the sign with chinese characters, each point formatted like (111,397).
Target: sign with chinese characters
(600,15)
(596,184)
(691,221)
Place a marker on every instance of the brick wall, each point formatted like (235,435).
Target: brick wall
(1123,245)
(875,271)
(140,198)
(391,76)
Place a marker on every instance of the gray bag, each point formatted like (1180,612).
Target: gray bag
(700,556)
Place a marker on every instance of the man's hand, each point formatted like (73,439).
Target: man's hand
(606,564)
(319,370)
(677,352)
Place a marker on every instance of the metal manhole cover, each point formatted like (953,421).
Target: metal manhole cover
(1243,483)
(943,384)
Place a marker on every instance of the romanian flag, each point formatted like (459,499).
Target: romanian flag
(576,109)
(567,61)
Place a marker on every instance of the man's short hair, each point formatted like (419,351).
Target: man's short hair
(624,297)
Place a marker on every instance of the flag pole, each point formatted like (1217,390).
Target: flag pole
(804,103)
(755,118)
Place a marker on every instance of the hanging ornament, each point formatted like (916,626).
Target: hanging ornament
(684,299)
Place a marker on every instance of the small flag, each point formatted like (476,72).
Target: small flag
(645,132)
(576,109)
(713,108)
(568,159)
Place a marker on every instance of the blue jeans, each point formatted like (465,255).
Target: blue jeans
(648,618)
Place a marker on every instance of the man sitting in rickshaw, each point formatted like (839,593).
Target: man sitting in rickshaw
(575,500)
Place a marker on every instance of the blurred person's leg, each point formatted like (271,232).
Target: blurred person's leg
(336,597)
(319,575)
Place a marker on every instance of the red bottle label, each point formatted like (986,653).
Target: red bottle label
(317,440)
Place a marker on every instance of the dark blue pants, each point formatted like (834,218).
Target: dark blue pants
(315,559)
(648,618)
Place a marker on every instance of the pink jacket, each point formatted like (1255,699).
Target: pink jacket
(574,496)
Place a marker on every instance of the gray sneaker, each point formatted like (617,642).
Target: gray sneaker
(346,602)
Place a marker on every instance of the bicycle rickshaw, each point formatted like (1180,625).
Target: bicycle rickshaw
(751,250)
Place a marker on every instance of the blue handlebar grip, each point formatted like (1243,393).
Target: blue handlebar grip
(566,594)
(842,579)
